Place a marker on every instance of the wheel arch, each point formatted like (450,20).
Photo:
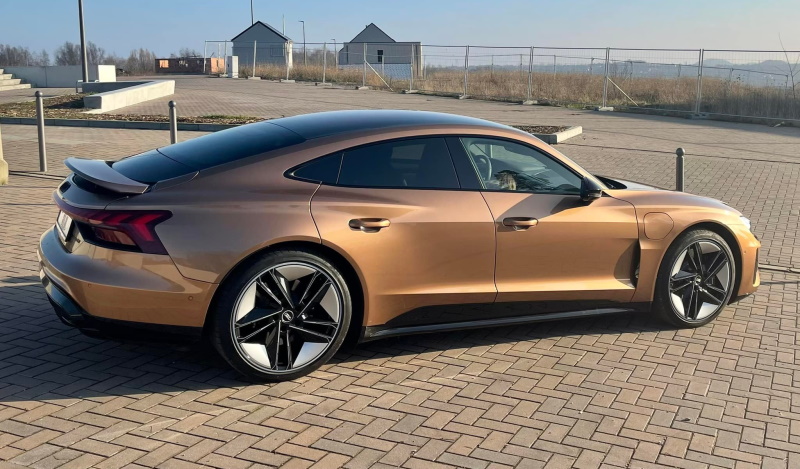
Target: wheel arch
(339,261)
(729,237)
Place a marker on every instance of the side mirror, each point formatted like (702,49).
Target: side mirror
(590,190)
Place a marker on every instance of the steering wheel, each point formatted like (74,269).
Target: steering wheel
(484,165)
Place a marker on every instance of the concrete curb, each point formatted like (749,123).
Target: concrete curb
(110,124)
(559,137)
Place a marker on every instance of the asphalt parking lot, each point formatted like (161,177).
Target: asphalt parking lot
(620,392)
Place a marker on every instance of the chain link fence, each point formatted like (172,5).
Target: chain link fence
(740,83)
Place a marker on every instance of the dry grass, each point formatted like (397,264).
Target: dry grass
(677,94)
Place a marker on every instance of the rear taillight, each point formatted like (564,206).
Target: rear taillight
(132,230)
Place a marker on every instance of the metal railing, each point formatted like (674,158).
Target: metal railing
(740,83)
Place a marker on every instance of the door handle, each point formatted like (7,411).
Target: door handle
(520,223)
(369,225)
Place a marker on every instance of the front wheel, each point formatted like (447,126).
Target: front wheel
(283,316)
(696,279)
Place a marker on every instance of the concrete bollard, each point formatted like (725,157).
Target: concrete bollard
(173,122)
(3,165)
(40,128)
(679,184)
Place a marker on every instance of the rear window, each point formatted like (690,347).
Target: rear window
(207,151)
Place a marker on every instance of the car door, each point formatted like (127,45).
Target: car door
(419,243)
(553,250)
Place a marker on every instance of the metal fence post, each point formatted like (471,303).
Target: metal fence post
(364,79)
(205,52)
(254,59)
(287,50)
(466,70)
(173,123)
(324,60)
(40,129)
(411,77)
(699,83)
(530,75)
(679,185)
(3,165)
(605,78)
(554,65)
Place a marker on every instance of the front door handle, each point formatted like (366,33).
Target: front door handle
(520,223)
(369,225)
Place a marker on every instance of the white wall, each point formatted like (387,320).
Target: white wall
(61,76)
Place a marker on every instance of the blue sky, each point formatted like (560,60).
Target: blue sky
(167,25)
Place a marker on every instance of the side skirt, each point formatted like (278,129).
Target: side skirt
(379,332)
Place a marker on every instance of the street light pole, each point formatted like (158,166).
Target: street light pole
(335,53)
(305,59)
(252,18)
(83,43)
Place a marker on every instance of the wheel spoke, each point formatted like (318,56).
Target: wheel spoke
(679,282)
(689,303)
(320,323)
(255,333)
(277,346)
(256,315)
(695,258)
(308,288)
(324,337)
(316,296)
(716,265)
(263,285)
(710,297)
(289,357)
(282,285)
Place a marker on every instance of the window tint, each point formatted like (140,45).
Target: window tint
(508,166)
(325,169)
(414,163)
(150,167)
(231,144)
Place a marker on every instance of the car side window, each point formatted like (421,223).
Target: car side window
(419,163)
(324,170)
(503,165)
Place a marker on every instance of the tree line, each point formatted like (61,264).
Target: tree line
(138,62)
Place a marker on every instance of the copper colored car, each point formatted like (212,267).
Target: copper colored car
(279,240)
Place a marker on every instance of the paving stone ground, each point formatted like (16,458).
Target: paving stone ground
(613,392)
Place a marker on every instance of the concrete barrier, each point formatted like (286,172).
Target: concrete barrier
(61,76)
(127,96)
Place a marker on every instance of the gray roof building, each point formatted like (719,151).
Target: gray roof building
(271,46)
(380,49)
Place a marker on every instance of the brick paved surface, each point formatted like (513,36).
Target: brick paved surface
(620,392)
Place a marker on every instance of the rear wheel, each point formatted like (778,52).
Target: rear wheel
(283,316)
(696,279)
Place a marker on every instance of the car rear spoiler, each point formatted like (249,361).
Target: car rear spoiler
(101,173)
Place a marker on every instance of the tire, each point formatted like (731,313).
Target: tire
(689,296)
(282,316)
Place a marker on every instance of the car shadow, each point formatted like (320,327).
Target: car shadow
(42,359)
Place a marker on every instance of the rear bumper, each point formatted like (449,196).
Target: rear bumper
(94,285)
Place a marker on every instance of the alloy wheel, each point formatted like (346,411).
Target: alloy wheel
(286,317)
(700,280)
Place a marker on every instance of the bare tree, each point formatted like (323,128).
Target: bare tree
(70,54)
(141,62)
(15,55)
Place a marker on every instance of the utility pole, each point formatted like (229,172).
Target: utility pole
(83,43)
(305,58)
(252,17)
(335,53)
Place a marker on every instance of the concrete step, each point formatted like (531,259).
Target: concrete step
(5,76)
(23,86)
(1,70)
(9,82)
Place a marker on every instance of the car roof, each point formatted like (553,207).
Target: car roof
(328,124)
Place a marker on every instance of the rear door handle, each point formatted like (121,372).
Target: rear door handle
(369,225)
(520,223)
